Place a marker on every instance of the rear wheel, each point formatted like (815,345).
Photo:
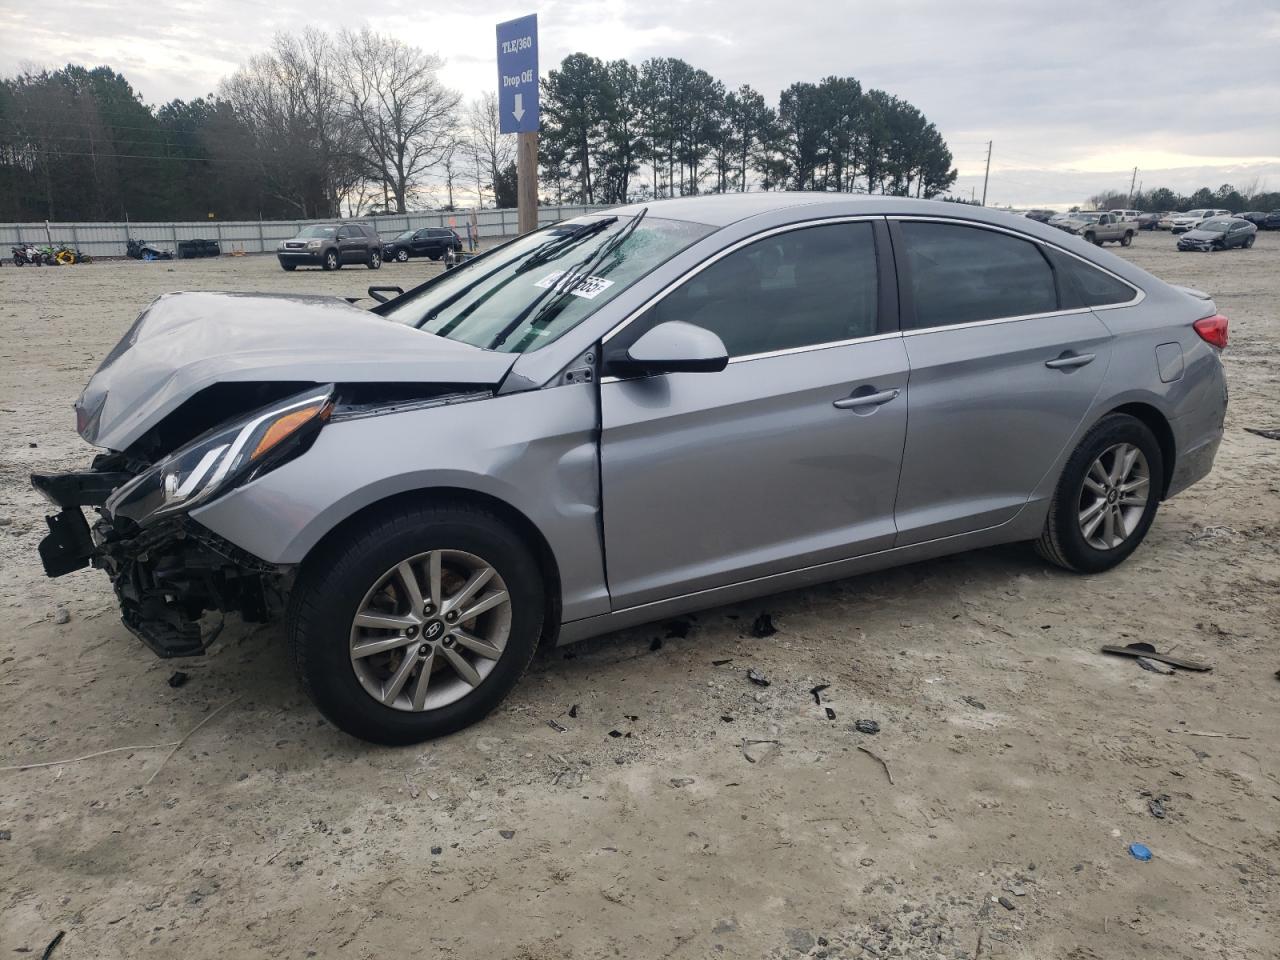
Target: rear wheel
(1106,499)
(1249,241)
(1127,238)
(416,625)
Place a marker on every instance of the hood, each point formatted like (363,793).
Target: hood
(1201,235)
(185,342)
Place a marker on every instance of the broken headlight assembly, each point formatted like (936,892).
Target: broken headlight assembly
(224,457)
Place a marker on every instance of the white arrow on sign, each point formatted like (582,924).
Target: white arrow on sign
(518,112)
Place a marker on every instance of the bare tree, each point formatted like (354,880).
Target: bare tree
(406,117)
(486,149)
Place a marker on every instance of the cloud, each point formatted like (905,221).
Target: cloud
(1074,95)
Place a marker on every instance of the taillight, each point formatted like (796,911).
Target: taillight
(1213,330)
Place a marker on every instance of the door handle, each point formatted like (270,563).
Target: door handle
(1070,362)
(866,400)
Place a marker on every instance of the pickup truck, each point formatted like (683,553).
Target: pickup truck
(1099,226)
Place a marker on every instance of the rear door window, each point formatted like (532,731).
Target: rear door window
(962,274)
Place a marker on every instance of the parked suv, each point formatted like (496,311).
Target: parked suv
(330,245)
(433,242)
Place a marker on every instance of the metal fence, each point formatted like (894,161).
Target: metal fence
(257,236)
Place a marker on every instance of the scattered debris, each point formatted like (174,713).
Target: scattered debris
(678,782)
(615,733)
(655,644)
(1154,666)
(866,726)
(831,714)
(432,796)
(1146,651)
(757,678)
(178,678)
(880,760)
(816,691)
(726,718)
(1211,533)
(677,629)
(631,716)
(1139,852)
(1268,434)
(573,711)
(506,834)
(763,626)
(1016,890)
(721,663)
(1006,903)
(556,725)
(413,790)
(436,851)
(6,834)
(189,734)
(1156,806)
(974,702)
(61,615)
(1210,733)
(57,939)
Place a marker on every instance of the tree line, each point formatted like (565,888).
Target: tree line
(614,132)
(325,125)
(1255,196)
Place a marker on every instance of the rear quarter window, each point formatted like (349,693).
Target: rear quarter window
(1084,285)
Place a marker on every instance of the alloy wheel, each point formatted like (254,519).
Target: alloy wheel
(1113,496)
(430,630)
(402,255)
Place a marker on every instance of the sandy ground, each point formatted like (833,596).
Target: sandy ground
(1022,760)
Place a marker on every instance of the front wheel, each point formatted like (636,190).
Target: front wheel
(402,255)
(416,624)
(290,267)
(375,260)
(331,261)
(1107,497)
(1091,238)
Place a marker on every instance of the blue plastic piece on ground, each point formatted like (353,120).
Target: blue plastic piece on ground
(1139,852)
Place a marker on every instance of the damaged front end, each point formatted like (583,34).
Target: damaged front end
(166,568)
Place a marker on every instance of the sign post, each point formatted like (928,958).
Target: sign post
(518,108)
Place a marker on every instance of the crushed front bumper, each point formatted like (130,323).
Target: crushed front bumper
(165,575)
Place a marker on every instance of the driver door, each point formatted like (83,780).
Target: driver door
(788,457)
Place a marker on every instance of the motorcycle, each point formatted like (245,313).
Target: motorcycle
(23,255)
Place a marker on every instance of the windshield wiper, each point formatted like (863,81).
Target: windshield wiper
(553,248)
(568,282)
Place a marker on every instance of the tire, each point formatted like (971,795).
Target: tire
(375,260)
(435,256)
(343,577)
(1091,238)
(1064,540)
(1249,241)
(1127,238)
(290,267)
(402,255)
(331,260)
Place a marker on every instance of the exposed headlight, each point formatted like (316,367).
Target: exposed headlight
(314,244)
(223,457)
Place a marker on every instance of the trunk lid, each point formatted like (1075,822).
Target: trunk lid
(185,342)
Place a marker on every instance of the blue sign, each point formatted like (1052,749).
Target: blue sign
(518,75)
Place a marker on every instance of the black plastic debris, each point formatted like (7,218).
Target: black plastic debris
(556,726)
(6,834)
(866,726)
(506,834)
(679,782)
(831,714)
(974,702)
(678,628)
(631,716)
(763,626)
(436,851)
(1268,434)
(573,711)
(721,663)
(757,678)
(1007,903)
(726,718)
(655,644)
(816,691)
(178,678)
(615,733)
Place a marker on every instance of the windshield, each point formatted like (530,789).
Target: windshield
(1088,217)
(528,292)
(1196,213)
(1217,226)
(322,232)
(405,236)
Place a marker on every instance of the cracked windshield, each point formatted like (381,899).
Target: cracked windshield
(530,291)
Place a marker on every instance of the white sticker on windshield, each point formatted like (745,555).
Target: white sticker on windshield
(586,287)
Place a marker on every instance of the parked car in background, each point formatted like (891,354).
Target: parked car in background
(1192,218)
(1219,233)
(1040,216)
(1166,220)
(146,250)
(1127,215)
(1257,217)
(711,392)
(330,245)
(1098,227)
(431,242)
(1273,221)
(1148,221)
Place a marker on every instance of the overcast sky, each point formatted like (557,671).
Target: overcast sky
(1073,94)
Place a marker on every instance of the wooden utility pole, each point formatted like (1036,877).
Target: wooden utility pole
(1132,181)
(527,181)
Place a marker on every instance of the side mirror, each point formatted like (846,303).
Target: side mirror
(672,347)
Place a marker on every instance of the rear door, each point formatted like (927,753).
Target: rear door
(786,458)
(1005,362)
(351,246)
